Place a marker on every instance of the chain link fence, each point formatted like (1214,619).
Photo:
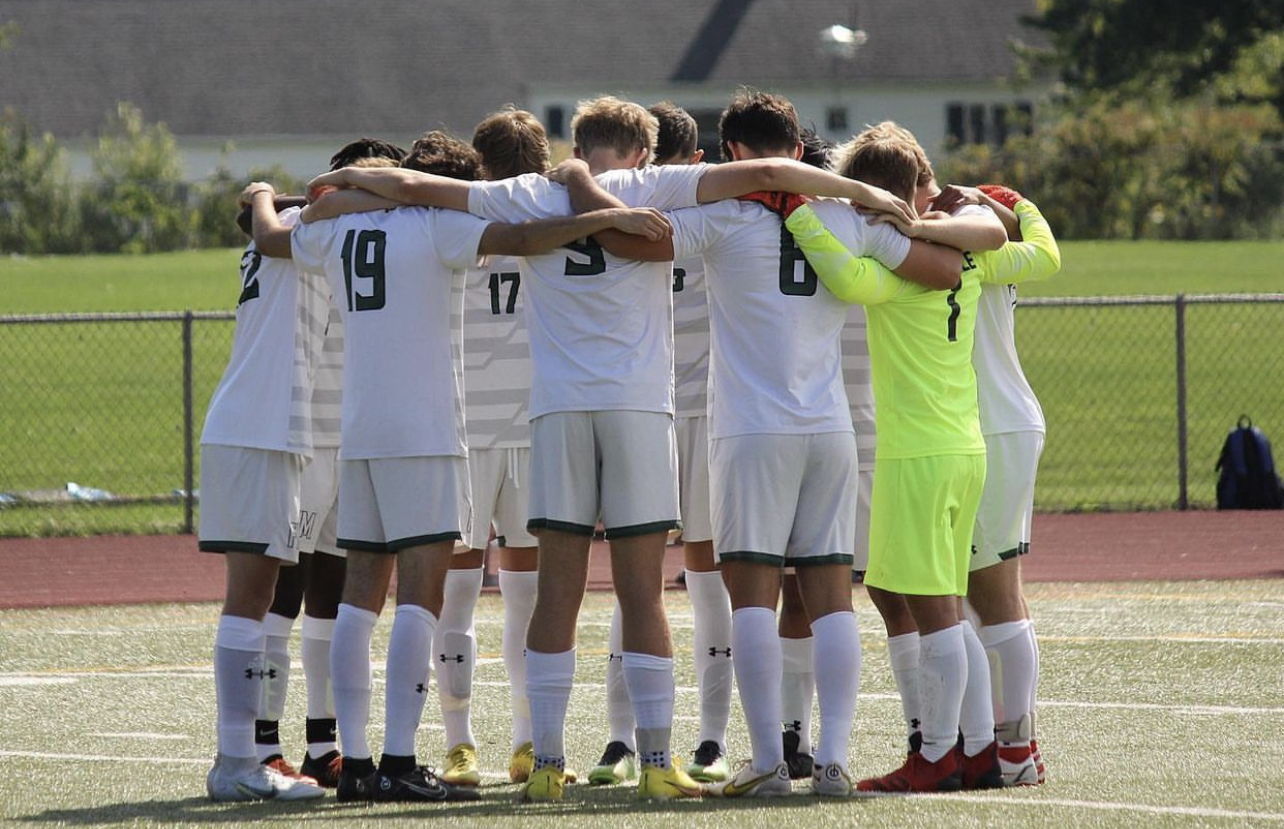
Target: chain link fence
(100,414)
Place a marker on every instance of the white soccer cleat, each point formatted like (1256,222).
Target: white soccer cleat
(750,782)
(235,779)
(831,780)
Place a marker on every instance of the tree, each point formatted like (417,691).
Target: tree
(37,201)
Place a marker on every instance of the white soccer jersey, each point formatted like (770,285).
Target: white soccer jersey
(690,339)
(497,356)
(858,380)
(262,402)
(398,278)
(601,328)
(775,363)
(327,386)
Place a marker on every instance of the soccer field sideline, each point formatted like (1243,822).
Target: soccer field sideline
(1189,666)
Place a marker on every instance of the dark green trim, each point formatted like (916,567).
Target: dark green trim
(832,558)
(361,546)
(400,544)
(642,529)
(1022,548)
(534,525)
(781,561)
(752,557)
(232,547)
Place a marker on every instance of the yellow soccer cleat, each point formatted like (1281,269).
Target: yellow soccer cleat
(461,766)
(522,763)
(545,785)
(666,784)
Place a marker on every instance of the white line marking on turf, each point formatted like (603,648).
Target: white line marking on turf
(20,680)
(1188,811)
(114,758)
(139,735)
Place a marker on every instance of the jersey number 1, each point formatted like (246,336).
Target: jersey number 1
(362,257)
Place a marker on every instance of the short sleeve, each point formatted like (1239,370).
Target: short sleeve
(307,245)
(457,236)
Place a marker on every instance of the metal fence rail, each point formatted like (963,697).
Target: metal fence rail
(100,413)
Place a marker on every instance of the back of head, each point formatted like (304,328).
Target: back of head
(511,142)
(610,123)
(443,154)
(816,150)
(678,134)
(365,148)
(884,162)
(888,131)
(763,122)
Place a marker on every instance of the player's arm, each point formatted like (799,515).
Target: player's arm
(245,218)
(938,267)
(586,194)
(396,184)
(270,236)
(542,235)
(340,202)
(734,179)
(848,277)
(953,195)
(1036,256)
(976,230)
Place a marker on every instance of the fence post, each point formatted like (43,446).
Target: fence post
(1183,495)
(188,465)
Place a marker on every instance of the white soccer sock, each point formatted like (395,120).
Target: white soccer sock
(758,674)
(903,652)
(619,710)
(455,644)
(350,677)
(276,662)
(1011,649)
(549,677)
(238,683)
(315,635)
(650,681)
(711,612)
(976,718)
(518,589)
(798,688)
(409,660)
(1034,697)
(942,676)
(837,658)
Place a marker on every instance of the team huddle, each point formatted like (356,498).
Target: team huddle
(802,359)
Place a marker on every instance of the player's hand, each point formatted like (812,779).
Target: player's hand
(324,183)
(569,168)
(644,221)
(955,195)
(782,204)
(910,228)
(881,201)
(247,195)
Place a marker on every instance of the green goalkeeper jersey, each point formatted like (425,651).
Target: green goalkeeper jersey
(920,346)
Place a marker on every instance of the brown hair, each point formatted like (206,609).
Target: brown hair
(511,142)
(443,154)
(761,121)
(611,123)
(883,162)
(678,132)
(886,131)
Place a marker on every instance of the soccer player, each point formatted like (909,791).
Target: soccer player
(782,453)
(1013,426)
(930,464)
(497,376)
(316,585)
(404,499)
(601,413)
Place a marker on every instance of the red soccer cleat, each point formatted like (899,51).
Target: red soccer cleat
(917,775)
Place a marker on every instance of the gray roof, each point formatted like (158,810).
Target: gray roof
(317,67)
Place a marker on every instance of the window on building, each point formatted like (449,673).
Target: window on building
(980,124)
(836,119)
(555,120)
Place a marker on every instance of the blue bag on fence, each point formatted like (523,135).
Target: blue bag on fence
(1247,478)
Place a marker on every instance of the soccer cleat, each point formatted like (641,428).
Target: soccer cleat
(284,768)
(324,769)
(666,784)
(1018,767)
(831,780)
(616,765)
(545,785)
(417,785)
(750,782)
(981,770)
(354,785)
(521,763)
(710,764)
(245,778)
(918,774)
(800,765)
(1038,761)
(461,766)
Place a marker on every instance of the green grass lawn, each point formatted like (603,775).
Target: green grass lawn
(1160,706)
(100,404)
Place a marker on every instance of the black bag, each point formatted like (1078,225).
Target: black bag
(1247,478)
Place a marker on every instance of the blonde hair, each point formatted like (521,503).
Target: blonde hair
(373,163)
(885,132)
(511,142)
(611,123)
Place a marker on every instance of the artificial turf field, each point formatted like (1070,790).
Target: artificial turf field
(1162,704)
